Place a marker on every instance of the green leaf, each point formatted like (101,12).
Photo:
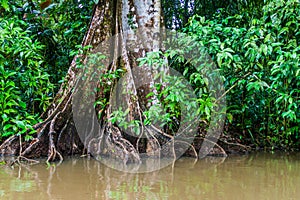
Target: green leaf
(12,103)
(4,4)
(6,127)
(7,134)
(22,104)
(264,49)
(297,72)
(5,117)
(20,124)
(276,44)
(230,117)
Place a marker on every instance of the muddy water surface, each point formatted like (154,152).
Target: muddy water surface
(258,176)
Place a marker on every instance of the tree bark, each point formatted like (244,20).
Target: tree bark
(57,135)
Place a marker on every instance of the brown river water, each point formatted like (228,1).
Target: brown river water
(255,176)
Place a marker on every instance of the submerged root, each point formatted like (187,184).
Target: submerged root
(53,153)
(58,137)
(119,147)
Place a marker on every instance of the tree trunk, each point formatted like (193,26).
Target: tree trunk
(57,135)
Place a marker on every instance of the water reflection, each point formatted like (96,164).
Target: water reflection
(259,176)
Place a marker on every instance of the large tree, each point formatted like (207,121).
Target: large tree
(79,120)
(57,134)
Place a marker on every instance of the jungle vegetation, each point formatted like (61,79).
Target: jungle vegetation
(254,44)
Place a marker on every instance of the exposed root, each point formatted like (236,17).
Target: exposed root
(191,146)
(223,152)
(139,138)
(62,131)
(52,149)
(20,157)
(34,143)
(47,140)
(27,160)
(153,144)
(119,147)
(61,106)
(246,148)
(53,153)
(10,146)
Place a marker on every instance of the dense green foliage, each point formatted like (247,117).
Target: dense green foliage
(255,45)
(25,86)
(259,58)
(178,12)
(34,56)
